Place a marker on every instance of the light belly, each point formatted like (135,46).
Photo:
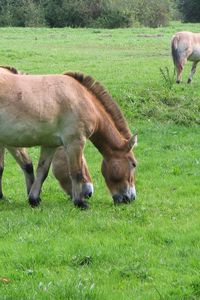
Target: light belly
(24,134)
(195,56)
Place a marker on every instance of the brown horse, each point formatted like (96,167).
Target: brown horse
(59,164)
(185,46)
(64,110)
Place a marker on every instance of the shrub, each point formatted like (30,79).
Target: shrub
(152,13)
(84,13)
(33,15)
(54,13)
(61,13)
(113,19)
(190,10)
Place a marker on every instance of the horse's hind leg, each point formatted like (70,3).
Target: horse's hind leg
(179,71)
(179,68)
(46,155)
(193,70)
(2,151)
(22,158)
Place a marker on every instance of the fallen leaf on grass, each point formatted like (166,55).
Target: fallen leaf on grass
(4,279)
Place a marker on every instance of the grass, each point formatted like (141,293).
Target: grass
(146,250)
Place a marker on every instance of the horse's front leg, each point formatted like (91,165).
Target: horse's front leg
(22,158)
(74,153)
(46,155)
(2,151)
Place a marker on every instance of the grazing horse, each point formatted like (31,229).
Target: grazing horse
(59,164)
(64,110)
(185,46)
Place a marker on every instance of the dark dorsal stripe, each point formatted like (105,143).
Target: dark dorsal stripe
(105,99)
(11,69)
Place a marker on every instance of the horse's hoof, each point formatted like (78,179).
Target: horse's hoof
(1,195)
(178,81)
(34,202)
(189,80)
(81,204)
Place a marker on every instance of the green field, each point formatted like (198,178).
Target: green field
(146,250)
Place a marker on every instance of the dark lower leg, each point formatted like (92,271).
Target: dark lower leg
(2,151)
(75,162)
(1,175)
(179,74)
(193,70)
(77,190)
(29,176)
(22,158)
(42,172)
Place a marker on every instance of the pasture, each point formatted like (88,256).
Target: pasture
(146,250)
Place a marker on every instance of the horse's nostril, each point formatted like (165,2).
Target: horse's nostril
(117,199)
(87,190)
(88,195)
(126,199)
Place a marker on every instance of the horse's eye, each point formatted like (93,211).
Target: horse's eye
(134,164)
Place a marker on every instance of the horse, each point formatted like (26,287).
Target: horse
(59,163)
(65,110)
(185,46)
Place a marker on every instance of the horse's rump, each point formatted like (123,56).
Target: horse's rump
(185,46)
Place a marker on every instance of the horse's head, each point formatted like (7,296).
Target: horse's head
(118,171)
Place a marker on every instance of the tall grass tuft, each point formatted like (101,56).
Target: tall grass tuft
(168,80)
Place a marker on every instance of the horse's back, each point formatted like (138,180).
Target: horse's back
(37,94)
(186,38)
(37,109)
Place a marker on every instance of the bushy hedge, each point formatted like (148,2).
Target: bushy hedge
(190,10)
(153,13)
(83,13)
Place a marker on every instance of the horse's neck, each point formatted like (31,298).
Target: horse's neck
(106,137)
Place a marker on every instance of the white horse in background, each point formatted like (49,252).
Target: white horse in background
(185,46)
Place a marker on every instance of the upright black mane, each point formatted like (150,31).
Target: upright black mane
(105,99)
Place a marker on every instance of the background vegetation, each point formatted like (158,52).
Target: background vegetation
(146,250)
(96,13)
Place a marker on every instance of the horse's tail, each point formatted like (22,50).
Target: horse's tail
(175,52)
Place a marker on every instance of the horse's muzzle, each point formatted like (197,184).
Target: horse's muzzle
(126,197)
(87,189)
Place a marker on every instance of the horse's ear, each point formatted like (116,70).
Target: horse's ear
(132,142)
